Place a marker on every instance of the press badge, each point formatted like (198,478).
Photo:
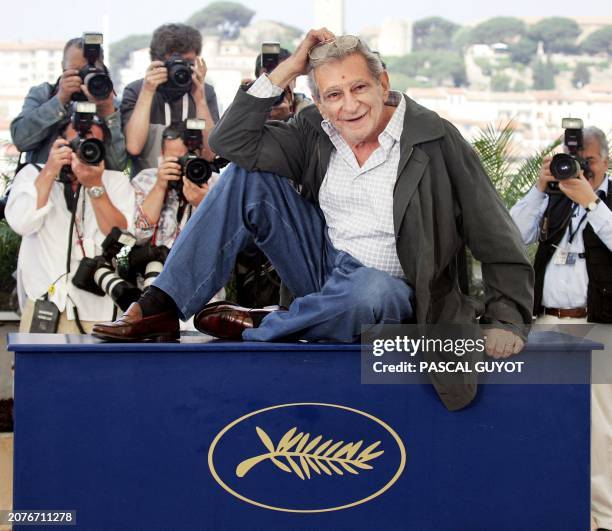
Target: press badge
(46,316)
(564,257)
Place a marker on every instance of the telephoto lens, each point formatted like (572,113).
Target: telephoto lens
(122,292)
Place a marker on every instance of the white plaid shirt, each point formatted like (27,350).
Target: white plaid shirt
(358,201)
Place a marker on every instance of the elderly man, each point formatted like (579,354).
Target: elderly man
(390,191)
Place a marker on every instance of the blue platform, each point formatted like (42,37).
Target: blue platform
(155,437)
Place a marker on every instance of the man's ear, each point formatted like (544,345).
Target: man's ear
(385,83)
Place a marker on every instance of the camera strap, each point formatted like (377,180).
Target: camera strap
(168,110)
(572,233)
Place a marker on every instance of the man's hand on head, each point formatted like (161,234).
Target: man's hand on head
(155,75)
(297,64)
(87,174)
(578,190)
(502,343)
(69,84)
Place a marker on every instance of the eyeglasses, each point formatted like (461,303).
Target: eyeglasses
(346,43)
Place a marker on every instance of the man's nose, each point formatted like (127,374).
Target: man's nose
(351,103)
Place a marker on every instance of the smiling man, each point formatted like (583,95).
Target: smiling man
(389,192)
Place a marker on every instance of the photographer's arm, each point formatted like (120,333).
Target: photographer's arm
(202,110)
(151,207)
(107,214)
(137,109)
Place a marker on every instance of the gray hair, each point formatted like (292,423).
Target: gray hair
(592,133)
(334,53)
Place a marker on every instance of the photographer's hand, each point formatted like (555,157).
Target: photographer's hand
(545,176)
(169,170)
(107,214)
(69,84)
(59,156)
(155,75)
(578,190)
(296,65)
(194,193)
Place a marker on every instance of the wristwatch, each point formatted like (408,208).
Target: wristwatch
(592,205)
(95,192)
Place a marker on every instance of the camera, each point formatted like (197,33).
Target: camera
(90,150)
(270,53)
(179,73)
(147,260)
(195,168)
(568,165)
(97,80)
(97,275)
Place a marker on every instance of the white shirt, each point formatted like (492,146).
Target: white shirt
(44,244)
(565,286)
(357,202)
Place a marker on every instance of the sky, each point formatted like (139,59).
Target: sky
(61,19)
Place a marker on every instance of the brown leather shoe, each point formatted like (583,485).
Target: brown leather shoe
(132,326)
(228,320)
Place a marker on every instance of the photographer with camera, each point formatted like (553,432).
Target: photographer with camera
(173,90)
(46,109)
(63,211)
(568,212)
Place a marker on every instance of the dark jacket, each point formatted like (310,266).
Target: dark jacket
(43,116)
(442,199)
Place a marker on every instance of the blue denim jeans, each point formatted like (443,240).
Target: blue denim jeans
(335,294)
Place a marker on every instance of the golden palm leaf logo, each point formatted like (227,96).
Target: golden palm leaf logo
(328,457)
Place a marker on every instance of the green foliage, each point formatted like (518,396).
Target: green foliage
(461,39)
(581,76)
(498,29)
(543,76)
(519,86)
(485,65)
(500,83)
(599,41)
(219,14)
(523,51)
(558,34)
(433,33)
(9,249)
(494,147)
(438,66)
(120,51)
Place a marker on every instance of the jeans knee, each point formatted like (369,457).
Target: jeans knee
(377,292)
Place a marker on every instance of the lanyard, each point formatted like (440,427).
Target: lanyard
(572,233)
(79,226)
(168,111)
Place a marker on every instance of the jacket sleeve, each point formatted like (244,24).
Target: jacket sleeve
(37,117)
(491,235)
(245,137)
(116,153)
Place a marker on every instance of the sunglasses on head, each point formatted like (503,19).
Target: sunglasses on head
(344,42)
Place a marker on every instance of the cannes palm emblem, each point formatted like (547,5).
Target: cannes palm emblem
(327,457)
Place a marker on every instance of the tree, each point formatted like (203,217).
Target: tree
(222,17)
(523,51)
(599,41)
(581,76)
(462,39)
(433,33)
(500,83)
(498,29)
(543,76)
(558,34)
(120,51)
(438,66)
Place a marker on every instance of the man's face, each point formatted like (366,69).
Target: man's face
(174,147)
(74,59)
(351,99)
(597,164)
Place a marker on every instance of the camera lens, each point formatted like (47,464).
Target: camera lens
(564,166)
(123,293)
(99,85)
(180,76)
(91,151)
(198,171)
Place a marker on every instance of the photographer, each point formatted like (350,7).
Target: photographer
(573,263)
(573,268)
(167,94)
(63,210)
(46,111)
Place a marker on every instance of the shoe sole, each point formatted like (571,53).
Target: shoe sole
(150,338)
